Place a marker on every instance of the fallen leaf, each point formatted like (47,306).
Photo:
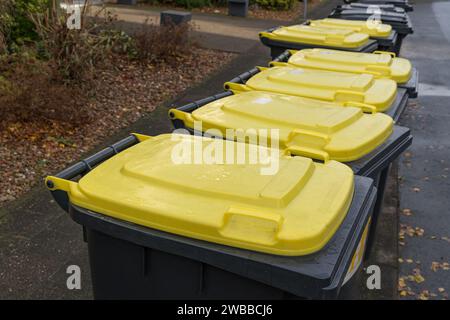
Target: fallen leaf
(406,212)
(419,231)
(424,296)
(441,290)
(417,276)
(435,266)
(401,283)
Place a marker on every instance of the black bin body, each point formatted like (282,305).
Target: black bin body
(411,87)
(404,4)
(388,43)
(369,6)
(129,261)
(400,22)
(375,164)
(278,47)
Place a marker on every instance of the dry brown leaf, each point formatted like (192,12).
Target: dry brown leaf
(401,283)
(406,212)
(417,276)
(424,295)
(445,239)
(419,231)
(435,266)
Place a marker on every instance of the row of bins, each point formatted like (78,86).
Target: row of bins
(357,27)
(401,4)
(163,222)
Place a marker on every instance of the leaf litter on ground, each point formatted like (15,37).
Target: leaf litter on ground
(127,92)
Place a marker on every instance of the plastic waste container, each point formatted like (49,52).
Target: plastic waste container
(303,36)
(323,131)
(160,229)
(398,3)
(399,21)
(379,64)
(383,33)
(368,6)
(347,89)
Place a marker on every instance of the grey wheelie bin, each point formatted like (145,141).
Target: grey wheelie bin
(398,3)
(368,6)
(379,64)
(384,34)
(359,90)
(400,22)
(157,228)
(310,128)
(302,36)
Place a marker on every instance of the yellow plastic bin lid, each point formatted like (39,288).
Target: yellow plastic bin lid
(344,38)
(292,212)
(380,64)
(374,28)
(307,127)
(348,89)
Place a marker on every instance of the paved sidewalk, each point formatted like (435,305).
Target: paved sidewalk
(424,171)
(218,32)
(247,28)
(214,31)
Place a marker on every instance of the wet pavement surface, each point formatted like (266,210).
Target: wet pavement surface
(424,176)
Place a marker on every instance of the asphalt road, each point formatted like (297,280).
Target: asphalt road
(424,171)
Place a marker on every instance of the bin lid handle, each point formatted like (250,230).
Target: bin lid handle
(236,87)
(378,70)
(278,64)
(254,225)
(308,152)
(392,54)
(186,117)
(367,108)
